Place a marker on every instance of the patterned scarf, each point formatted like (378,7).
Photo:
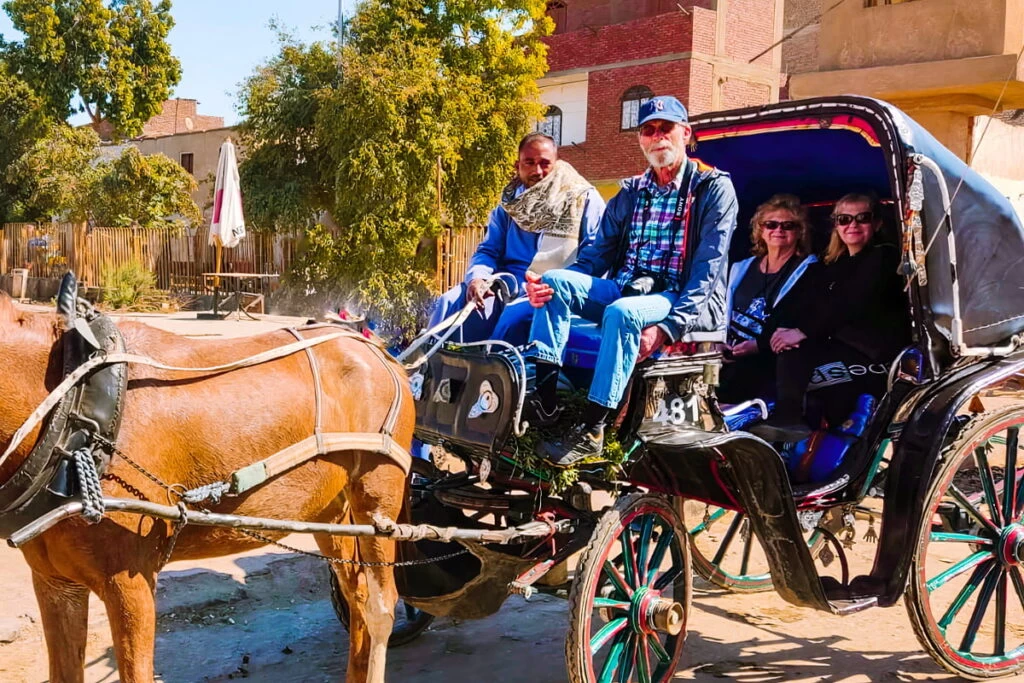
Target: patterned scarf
(553,208)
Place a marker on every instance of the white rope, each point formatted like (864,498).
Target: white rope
(72,379)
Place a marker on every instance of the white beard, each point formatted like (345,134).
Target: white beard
(663,158)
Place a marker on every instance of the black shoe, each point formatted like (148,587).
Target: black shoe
(779,431)
(537,415)
(584,444)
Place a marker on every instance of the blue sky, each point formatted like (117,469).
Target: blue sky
(220,42)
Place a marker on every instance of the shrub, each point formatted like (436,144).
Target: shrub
(131,286)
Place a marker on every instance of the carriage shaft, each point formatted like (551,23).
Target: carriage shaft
(383,528)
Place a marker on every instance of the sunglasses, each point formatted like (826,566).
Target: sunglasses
(651,129)
(787,226)
(864,217)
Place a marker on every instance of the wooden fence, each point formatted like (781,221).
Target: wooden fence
(455,247)
(179,258)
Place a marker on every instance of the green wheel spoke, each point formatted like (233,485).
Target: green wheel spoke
(972,511)
(1000,634)
(1018,584)
(946,537)
(668,577)
(988,484)
(957,569)
(664,541)
(643,659)
(608,671)
(727,540)
(628,557)
(646,528)
(659,650)
(980,572)
(609,631)
(626,659)
(611,604)
(1018,510)
(703,526)
(1009,473)
(984,598)
(616,577)
(747,547)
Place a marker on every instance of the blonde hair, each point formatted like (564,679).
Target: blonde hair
(781,202)
(836,246)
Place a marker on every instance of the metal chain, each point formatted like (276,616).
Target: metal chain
(334,560)
(178,526)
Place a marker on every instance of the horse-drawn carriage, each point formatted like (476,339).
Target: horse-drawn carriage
(620,538)
(939,453)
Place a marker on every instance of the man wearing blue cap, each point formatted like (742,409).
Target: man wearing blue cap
(663,242)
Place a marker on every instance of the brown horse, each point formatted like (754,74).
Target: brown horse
(196,430)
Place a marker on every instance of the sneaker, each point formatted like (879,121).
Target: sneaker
(539,417)
(584,444)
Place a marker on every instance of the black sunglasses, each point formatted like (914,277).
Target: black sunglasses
(864,217)
(788,226)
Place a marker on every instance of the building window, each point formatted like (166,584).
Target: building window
(631,101)
(558,11)
(551,124)
(186,162)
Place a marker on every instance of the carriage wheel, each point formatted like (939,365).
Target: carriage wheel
(725,550)
(410,622)
(966,596)
(630,600)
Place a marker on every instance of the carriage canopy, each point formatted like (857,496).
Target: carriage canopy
(821,149)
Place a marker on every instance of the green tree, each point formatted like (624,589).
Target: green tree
(110,60)
(61,174)
(414,124)
(55,174)
(22,122)
(145,190)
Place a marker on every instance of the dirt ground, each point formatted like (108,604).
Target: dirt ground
(266,616)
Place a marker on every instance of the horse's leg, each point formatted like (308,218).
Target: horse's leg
(131,607)
(370,591)
(64,610)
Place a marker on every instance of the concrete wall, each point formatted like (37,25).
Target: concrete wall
(854,36)
(1001,152)
(570,95)
(205,150)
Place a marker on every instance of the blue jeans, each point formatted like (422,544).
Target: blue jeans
(510,322)
(622,320)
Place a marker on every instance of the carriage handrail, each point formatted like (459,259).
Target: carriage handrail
(956,324)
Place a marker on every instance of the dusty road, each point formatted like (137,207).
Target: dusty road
(266,616)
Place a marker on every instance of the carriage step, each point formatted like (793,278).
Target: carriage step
(844,607)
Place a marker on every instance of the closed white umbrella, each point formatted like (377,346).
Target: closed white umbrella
(228,225)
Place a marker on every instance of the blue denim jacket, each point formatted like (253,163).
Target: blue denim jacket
(700,304)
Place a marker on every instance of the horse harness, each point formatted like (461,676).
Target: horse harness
(83,416)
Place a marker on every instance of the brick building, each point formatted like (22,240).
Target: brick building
(607,56)
(176,116)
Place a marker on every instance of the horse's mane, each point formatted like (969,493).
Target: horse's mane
(46,326)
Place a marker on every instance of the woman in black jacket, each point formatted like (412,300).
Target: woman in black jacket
(851,325)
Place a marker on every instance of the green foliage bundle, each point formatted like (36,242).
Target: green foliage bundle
(149,191)
(22,123)
(412,125)
(112,56)
(130,286)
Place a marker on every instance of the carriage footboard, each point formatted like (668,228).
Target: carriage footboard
(740,471)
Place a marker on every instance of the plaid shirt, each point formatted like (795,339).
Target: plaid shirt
(651,245)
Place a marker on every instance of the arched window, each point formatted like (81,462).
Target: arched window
(551,124)
(558,11)
(631,101)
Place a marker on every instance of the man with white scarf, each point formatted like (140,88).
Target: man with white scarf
(546,213)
